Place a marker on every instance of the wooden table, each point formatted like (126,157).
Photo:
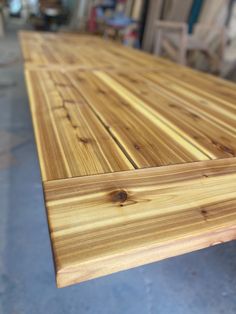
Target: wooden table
(137,154)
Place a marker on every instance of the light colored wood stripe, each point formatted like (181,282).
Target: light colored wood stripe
(170,129)
(129,126)
(206,131)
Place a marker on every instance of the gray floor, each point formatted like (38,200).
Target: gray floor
(201,282)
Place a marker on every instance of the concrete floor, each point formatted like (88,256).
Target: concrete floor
(196,283)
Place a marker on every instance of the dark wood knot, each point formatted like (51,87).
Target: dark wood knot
(119,196)
(136,146)
(84,140)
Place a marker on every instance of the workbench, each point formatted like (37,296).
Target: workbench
(137,154)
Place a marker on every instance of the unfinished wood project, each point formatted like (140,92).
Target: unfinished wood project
(138,163)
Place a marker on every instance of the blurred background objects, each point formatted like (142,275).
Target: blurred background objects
(196,33)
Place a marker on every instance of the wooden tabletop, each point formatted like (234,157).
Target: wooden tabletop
(80,51)
(137,154)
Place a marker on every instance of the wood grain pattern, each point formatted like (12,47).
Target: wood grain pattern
(88,114)
(83,52)
(69,133)
(137,154)
(110,222)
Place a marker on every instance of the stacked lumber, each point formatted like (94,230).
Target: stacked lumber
(137,154)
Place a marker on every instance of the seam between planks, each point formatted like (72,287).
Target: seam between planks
(106,127)
(154,116)
(162,168)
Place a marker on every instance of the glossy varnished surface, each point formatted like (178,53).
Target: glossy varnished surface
(136,154)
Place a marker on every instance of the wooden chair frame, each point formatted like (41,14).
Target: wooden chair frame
(185,44)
